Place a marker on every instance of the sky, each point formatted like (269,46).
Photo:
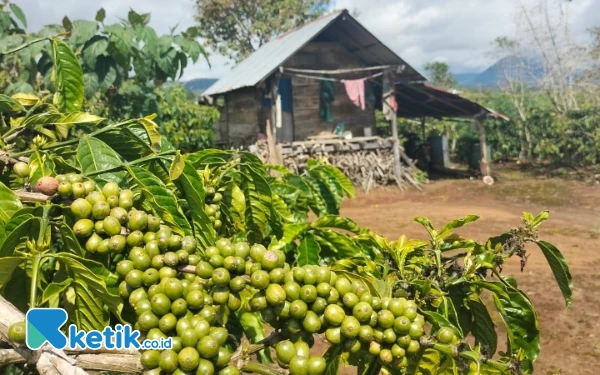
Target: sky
(459,32)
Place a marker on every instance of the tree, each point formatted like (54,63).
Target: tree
(439,74)
(237,28)
(546,33)
(515,73)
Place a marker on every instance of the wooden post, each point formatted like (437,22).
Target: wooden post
(274,92)
(226,120)
(394,124)
(483,164)
(397,165)
(423,132)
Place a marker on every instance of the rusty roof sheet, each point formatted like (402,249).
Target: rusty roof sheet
(338,25)
(416,100)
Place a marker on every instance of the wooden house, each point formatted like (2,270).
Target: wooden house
(287,85)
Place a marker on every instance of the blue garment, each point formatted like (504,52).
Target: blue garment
(285,91)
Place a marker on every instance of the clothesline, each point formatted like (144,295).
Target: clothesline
(338,71)
(319,78)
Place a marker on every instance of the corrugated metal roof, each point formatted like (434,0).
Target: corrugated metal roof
(417,100)
(338,26)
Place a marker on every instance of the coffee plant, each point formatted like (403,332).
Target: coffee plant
(244,265)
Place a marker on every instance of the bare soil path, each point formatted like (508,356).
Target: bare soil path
(570,338)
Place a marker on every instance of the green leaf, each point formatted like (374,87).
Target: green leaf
(559,268)
(106,70)
(258,203)
(235,201)
(17,289)
(292,231)
(8,104)
(7,267)
(428,363)
(282,209)
(25,99)
(69,239)
(161,199)
(20,87)
(308,251)
(437,320)
(520,319)
(336,245)
(333,357)
(177,166)
(30,226)
(18,12)
(83,30)
(62,122)
(535,222)
(9,203)
(121,41)
(194,194)
(137,19)
(92,86)
(152,130)
(94,155)
(483,328)
(100,15)
(425,223)
(334,221)
(96,285)
(130,143)
(254,330)
(149,37)
(67,77)
(328,186)
(454,224)
(41,165)
(342,179)
(94,47)
(52,292)
(66,22)
(89,310)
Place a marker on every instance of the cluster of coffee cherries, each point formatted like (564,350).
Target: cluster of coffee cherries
(312,299)
(212,207)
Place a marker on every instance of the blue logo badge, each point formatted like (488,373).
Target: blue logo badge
(43,325)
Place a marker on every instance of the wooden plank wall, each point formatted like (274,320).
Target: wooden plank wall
(242,106)
(325,56)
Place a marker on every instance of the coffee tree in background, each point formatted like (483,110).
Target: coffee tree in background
(125,67)
(212,246)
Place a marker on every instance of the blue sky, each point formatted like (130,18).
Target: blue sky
(459,32)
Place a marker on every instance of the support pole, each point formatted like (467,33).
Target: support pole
(274,92)
(394,124)
(397,165)
(226,120)
(483,163)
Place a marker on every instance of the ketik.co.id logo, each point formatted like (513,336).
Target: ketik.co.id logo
(43,326)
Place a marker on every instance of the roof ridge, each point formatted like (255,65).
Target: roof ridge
(335,11)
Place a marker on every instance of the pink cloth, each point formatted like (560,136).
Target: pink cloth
(356,91)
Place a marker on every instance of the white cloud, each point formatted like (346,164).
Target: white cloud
(459,32)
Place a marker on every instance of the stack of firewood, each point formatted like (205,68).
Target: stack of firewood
(365,168)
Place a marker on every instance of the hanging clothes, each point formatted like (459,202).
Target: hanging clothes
(326,96)
(390,106)
(285,92)
(370,98)
(355,88)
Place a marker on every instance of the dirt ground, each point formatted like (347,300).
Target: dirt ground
(570,338)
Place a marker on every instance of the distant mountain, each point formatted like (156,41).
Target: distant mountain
(199,85)
(530,69)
